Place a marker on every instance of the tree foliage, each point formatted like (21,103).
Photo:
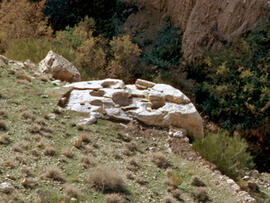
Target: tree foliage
(64,13)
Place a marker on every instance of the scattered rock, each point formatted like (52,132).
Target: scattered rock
(59,67)
(144,83)
(3,62)
(6,188)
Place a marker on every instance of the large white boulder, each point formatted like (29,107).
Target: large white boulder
(154,104)
(59,67)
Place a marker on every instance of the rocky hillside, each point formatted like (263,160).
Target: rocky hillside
(47,156)
(208,24)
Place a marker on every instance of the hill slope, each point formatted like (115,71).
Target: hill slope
(45,156)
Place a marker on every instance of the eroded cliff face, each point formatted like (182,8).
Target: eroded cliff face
(208,23)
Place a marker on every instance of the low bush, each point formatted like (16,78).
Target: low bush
(105,179)
(228,153)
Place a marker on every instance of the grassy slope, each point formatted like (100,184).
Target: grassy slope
(20,96)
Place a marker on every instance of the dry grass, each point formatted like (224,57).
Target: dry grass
(176,193)
(106,179)
(168,199)
(87,162)
(34,153)
(160,160)
(78,142)
(28,116)
(114,198)
(3,126)
(54,173)
(200,195)
(4,140)
(72,191)
(85,138)
(131,147)
(68,153)
(3,113)
(36,128)
(197,182)
(50,151)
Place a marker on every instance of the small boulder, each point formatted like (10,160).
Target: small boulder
(122,98)
(6,188)
(3,61)
(157,100)
(144,83)
(59,67)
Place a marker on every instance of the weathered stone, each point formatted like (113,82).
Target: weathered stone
(144,83)
(157,100)
(112,83)
(97,93)
(122,98)
(59,67)
(162,105)
(6,188)
(141,87)
(3,61)
(171,94)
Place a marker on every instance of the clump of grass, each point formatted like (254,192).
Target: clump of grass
(54,173)
(86,162)
(85,139)
(176,193)
(3,113)
(78,142)
(174,178)
(68,153)
(9,163)
(4,140)
(160,160)
(27,171)
(72,191)
(17,148)
(168,199)
(20,159)
(34,153)
(197,182)
(41,144)
(105,179)
(141,181)
(201,195)
(35,129)
(50,151)
(114,198)
(3,126)
(28,116)
(131,147)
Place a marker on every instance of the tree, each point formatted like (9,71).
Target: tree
(64,13)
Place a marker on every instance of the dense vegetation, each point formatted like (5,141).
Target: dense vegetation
(233,89)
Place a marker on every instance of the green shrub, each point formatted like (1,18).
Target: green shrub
(167,49)
(34,49)
(228,153)
(234,83)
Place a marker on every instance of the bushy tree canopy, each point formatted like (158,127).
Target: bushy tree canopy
(62,13)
